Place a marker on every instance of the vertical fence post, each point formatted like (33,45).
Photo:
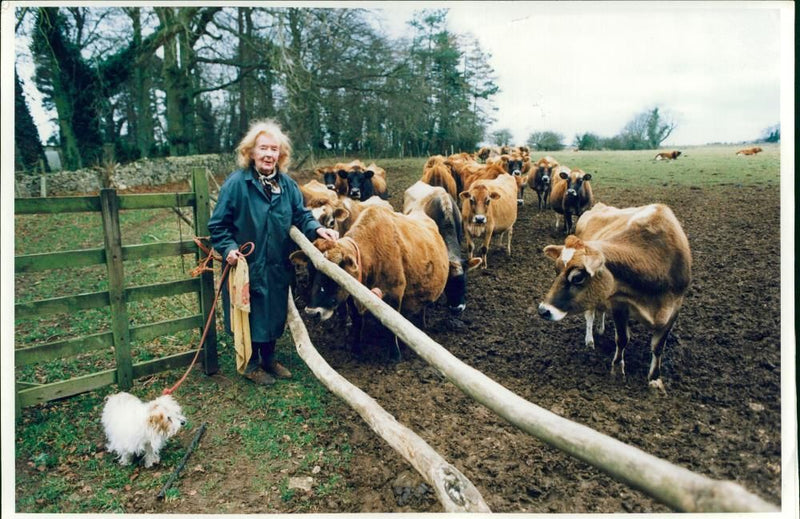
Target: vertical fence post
(202,212)
(109,204)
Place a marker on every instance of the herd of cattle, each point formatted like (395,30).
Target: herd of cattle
(632,262)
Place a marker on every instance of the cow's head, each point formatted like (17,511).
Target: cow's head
(575,180)
(359,183)
(514,164)
(476,203)
(582,281)
(328,175)
(543,173)
(326,294)
(456,288)
(322,211)
(676,154)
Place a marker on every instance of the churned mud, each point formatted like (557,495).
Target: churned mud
(721,370)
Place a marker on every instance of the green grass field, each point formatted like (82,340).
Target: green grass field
(61,464)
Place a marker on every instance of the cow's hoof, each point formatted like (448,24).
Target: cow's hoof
(590,345)
(659,385)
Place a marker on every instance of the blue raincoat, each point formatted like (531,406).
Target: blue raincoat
(244,213)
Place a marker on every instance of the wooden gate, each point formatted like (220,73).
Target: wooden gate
(119,293)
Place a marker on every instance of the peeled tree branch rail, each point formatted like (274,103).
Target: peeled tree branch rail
(454,490)
(675,486)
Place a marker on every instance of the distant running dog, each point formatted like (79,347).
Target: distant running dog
(667,155)
(134,427)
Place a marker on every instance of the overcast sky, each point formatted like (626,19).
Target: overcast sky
(715,68)
(712,68)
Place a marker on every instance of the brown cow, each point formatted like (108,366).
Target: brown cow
(516,165)
(364,181)
(541,179)
(331,175)
(435,202)
(340,214)
(314,189)
(401,257)
(571,195)
(487,152)
(635,262)
(437,173)
(667,155)
(489,207)
(749,151)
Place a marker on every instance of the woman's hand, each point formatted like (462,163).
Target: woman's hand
(233,257)
(328,234)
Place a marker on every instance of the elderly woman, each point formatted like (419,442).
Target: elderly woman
(259,203)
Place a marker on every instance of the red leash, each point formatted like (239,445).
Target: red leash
(211,313)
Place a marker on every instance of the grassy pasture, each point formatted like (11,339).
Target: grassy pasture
(60,461)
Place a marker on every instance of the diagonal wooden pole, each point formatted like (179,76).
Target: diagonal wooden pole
(454,490)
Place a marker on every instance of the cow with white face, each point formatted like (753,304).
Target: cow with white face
(635,262)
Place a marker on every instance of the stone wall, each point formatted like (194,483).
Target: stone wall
(148,172)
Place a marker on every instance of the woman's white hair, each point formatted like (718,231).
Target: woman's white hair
(248,142)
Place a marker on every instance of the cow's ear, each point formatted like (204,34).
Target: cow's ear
(343,173)
(564,175)
(464,195)
(587,176)
(474,263)
(553,251)
(593,262)
(369,173)
(340,214)
(299,257)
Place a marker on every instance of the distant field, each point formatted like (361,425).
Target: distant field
(700,165)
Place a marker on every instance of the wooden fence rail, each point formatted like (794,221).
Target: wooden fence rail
(454,490)
(674,486)
(113,254)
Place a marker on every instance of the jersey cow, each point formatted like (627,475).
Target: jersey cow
(540,180)
(341,213)
(749,151)
(571,195)
(667,155)
(400,257)
(364,181)
(489,207)
(437,173)
(332,178)
(517,166)
(634,262)
(434,202)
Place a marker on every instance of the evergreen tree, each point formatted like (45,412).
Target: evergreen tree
(28,150)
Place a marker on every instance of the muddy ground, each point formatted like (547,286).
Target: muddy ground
(721,370)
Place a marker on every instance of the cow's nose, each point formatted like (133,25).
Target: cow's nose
(516,172)
(479,218)
(544,311)
(520,201)
(572,192)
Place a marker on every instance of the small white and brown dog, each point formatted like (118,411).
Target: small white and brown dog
(134,427)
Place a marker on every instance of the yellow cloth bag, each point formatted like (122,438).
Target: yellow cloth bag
(239,290)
